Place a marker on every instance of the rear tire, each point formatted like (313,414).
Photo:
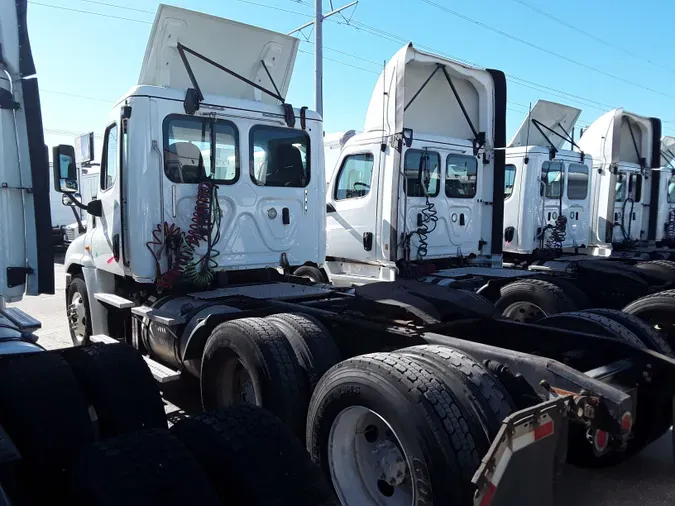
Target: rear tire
(253,458)
(119,386)
(141,468)
(310,272)
(249,361)
(313,345)
(530,300)
(386,408)
(77,311)
(663,269)
(658,310)
(495,403)
(592,323)
(45,413)
(648,335)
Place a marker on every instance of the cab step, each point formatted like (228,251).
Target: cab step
(113,300)
(157,316)
(23,321)
(160,372)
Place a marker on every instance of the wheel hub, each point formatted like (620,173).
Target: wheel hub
(389,459)
(77,316)
(525,312)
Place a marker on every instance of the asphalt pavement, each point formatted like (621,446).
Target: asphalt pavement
(647,479)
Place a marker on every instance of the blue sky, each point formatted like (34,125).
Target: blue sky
(80,54)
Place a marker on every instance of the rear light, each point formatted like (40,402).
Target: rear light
(600,440)
(627,422)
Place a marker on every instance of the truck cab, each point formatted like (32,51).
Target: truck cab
(665,228)
(626,150)
(546,194)
(417,185)
(207,175)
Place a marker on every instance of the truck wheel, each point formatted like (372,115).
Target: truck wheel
(145,467)
(494,402)
(249,361)
(592,324)
(311,273)
(119,386)
(530,300)
(253,458)
(658,310)
(483,301)
(648,335)
(77,307)
(313,345)
(662,269)
(373,415)
(45,414)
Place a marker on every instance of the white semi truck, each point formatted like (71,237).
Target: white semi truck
(212,211)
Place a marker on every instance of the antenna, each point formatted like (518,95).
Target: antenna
(527,140)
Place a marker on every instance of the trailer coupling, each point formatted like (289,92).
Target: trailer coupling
(522,462)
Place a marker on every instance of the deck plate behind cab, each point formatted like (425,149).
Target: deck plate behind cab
(425,302)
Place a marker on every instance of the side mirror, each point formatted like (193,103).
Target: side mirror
(95,208)
(67,201)
(64,169)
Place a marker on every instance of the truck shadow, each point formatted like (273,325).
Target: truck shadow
(646,479)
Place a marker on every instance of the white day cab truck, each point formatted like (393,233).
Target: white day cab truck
(432,210)
(211,214)
(90,421)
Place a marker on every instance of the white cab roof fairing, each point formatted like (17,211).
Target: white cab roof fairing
(668,152)
(237,46)
(558,117)
(435,110)
(608,139)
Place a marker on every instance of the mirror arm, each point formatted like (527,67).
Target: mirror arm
(76,202)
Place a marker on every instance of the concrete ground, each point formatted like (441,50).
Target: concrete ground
(647,479)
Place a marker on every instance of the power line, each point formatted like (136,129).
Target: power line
(342,63)
(274,7)
(590,35)
(89,12)
(74,95)
(543,49)
(96,2)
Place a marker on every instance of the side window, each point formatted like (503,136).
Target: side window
(196,149)
(110,158)
(416,163)
(635,187)
(577,181)
(671,190)
(355,176)
(551,175)
(621,187)
(279,157)
(509,180)
(460,176)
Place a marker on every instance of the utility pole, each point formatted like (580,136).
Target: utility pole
(319,17)
(318,56)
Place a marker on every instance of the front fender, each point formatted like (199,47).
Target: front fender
(76,254)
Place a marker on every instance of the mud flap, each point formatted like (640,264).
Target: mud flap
(521,465)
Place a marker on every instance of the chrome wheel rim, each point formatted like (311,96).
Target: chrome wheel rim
(236,386)
(368,464)
(525,312)
(77,317)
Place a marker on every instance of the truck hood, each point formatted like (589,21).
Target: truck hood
(237,46)
(558,117)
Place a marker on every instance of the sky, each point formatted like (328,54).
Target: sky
(595,55)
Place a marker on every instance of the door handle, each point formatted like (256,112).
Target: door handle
(116,246)
(285,216)
(367,241)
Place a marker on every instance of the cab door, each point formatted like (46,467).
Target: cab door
(106,240)
(352,225)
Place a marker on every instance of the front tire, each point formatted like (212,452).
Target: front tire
(77,312)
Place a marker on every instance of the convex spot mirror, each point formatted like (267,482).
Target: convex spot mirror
(67,201)
(64,169)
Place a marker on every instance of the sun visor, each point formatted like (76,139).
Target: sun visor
(236,46)
(557,117)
